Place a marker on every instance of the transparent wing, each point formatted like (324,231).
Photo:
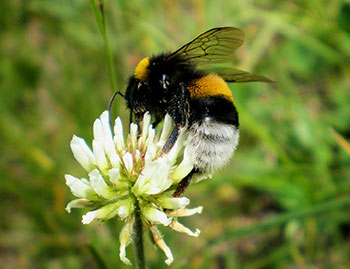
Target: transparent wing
(217,45)
(231,74)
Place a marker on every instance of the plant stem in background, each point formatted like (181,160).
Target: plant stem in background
(100,18)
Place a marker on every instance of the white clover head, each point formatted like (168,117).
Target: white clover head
(123,173)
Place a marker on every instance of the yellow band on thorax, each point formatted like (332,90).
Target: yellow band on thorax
(141,70)
(210,85)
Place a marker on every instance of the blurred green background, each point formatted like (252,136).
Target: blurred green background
(283,202)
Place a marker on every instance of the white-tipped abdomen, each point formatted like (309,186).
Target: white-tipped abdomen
(211,144)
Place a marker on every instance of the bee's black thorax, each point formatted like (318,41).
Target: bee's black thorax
(162,85)
(175,68)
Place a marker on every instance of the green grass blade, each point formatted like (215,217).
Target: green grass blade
(100,19)
(281,219)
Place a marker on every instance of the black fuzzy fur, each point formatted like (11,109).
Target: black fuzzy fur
(149,95)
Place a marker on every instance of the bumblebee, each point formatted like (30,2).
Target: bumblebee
(190,85)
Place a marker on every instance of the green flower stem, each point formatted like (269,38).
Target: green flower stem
(137,239)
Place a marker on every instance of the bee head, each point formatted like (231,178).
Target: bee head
(153,71)
(151,88)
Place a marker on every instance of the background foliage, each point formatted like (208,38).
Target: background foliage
(284,201)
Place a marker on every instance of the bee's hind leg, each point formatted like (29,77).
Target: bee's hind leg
(184,183)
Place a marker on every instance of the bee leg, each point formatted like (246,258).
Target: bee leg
(171,140)
(138,121)
(179,113)
(184,183)
(130,119)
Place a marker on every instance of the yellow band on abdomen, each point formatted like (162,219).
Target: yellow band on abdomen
(210,85)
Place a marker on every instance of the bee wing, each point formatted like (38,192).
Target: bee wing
(217,45)
(230,74)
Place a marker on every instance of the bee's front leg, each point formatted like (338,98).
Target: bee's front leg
(171,140)
(178,111)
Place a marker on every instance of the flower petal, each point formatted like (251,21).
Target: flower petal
(100,156)
(78,203)
(89,217)
(98,130)
(151,135)
(133,134)
(186,212)
(150,153)
(118,134)
(167,125)
(126,208)
(109,145)
(145,125)
(155,216)
(177,226)
(184,168)
(123,212)
(100,186)
(179,147)
(80,188)
(125,240)
(82,153)
(103,134)
(128,161)
(114,175)
(103,213)
(138,156)
(158,239)
(116,179)
(173,203)
(115,160)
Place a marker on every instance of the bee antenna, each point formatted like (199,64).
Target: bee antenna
(111,104)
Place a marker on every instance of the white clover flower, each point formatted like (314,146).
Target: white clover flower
(123,173)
